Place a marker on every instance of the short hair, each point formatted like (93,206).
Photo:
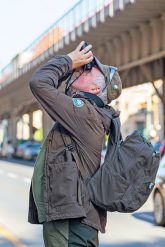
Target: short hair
(100,81)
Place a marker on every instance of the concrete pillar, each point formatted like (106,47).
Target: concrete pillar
(134,46)
(12,124)
(14,132)
(125,37)
(109,53)
(155,35)
(162,32)
(162,130)
(145,39)
(10,127)
(117,44)
(31,125)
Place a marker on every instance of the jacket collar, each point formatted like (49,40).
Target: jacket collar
(92,98)
(106,121)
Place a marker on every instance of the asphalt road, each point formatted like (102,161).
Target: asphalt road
(123,230)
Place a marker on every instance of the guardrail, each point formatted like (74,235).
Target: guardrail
(59,34)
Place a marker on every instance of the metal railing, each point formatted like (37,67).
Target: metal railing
(55,37)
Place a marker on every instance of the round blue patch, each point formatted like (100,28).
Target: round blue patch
(77,102)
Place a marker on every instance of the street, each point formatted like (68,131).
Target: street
(123,230)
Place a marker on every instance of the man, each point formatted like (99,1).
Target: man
(58,197)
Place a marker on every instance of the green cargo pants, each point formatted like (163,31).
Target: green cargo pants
(69,233)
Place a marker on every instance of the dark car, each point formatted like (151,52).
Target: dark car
(159,195)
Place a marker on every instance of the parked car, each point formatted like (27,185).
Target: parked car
(157,146)
(28,150)
(162,148)
(159,195)
(6,149)
(0,149)
(31,151)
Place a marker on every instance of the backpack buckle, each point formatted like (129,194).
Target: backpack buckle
(71,147)
(151,185)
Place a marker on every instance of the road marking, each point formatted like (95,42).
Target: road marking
(12,175)
(27,180)
(15,176)
(10,237)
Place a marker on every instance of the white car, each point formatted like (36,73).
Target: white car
(159,195)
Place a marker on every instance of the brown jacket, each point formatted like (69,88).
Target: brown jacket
(87,125)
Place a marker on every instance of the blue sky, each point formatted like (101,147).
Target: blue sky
(22,21)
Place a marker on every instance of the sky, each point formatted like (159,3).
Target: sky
(22,21)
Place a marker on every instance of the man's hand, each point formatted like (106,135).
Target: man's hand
(80,58)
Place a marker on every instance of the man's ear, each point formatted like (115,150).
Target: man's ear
(94,89)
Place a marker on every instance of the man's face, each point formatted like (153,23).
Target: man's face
(86,82)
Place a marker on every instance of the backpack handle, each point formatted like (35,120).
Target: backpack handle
(115,135)
(114,130)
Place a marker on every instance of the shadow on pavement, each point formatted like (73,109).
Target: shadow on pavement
(5,243)
(157,243)
(32,244)
(146,216)
(18,161)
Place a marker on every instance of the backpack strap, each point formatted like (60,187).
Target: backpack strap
(115,133)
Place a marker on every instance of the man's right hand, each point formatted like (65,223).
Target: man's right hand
(80,58)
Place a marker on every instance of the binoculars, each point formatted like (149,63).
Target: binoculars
(89,65)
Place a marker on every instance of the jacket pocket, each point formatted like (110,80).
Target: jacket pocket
(63,181)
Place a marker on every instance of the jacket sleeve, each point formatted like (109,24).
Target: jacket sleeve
(44,86)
